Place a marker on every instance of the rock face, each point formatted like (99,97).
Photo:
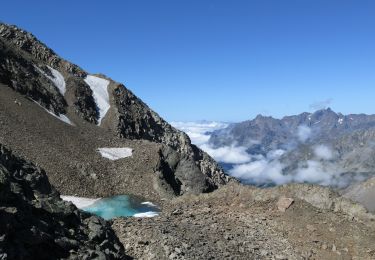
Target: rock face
(37,224)
(27,66)
(137,121)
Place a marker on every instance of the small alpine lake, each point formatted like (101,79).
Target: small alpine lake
(116,206)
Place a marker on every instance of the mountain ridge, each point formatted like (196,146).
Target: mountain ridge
(27,66)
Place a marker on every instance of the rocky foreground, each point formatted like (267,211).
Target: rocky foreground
(37,224)
(240,222)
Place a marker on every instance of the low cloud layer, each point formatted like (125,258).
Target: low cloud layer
(269,169)
(303,133)
(199,132)
(323,152)
(227,154)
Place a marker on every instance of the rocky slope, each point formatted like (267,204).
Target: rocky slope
(240,222)
(30,71)
(37,224)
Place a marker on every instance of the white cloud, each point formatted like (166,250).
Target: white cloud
(228,154)
(199,132)
(323,152)
(303,133)
(314,172)
(261,172)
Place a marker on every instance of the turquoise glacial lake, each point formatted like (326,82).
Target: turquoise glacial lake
(122,206)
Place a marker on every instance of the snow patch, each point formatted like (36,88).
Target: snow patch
(61,117)
(57,79)
(115,153)
(148,214)
(79,202)
(100,94)
(148,203)
(340,121)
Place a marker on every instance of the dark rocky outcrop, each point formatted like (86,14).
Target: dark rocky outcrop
(37,224)
(137,121)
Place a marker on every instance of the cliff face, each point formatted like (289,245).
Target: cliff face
(32,69)
(37,224)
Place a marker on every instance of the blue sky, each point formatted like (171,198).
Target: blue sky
(217,60)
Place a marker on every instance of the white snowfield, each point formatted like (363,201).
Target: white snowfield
(57,79)
(115,153)
(100,93)
(148,214)
(61,117)
(79,202)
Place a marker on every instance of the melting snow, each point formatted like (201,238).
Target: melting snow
(148,204)
(100,93)
(115,153)
(148,214)
(57,79)
(80,202)
(61,117)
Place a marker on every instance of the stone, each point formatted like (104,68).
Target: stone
(284,203)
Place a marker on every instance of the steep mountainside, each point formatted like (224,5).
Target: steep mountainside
(69,114)
(37,224)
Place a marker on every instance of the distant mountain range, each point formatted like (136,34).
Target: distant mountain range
(264,134)
(323,147)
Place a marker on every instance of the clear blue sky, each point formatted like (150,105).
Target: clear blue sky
(217,60)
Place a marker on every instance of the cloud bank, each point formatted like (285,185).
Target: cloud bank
(269,169)
(199,132)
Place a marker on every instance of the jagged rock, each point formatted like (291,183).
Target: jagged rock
(37,224)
